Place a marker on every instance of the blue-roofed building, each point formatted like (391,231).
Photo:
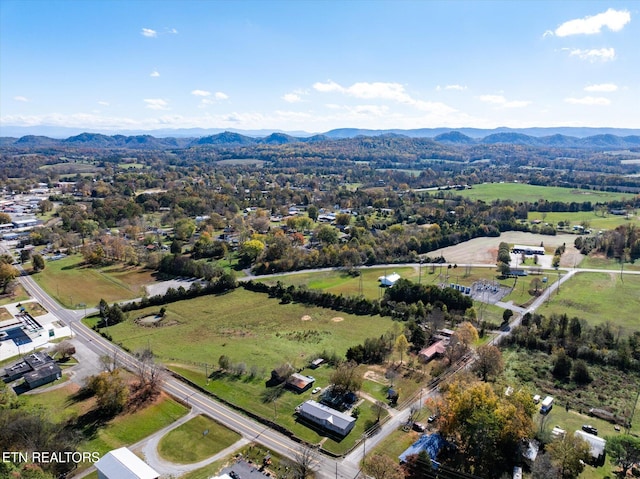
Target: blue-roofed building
(431,443)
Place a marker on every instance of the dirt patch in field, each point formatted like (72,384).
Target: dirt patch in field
(306,317)
(375,377)
(149,320)
(337,319)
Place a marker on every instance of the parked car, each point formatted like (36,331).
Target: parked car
(316,390)
(432,418)
(418,427)
(590,429)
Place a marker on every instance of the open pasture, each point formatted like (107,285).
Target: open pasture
(594,220)
(247,327)
(71,283)
(598,298)
(340,282)
(532,193)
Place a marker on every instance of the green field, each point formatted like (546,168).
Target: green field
(598,298)
(71,283)
(196,440)
(531,193)
(248,327)
(247,393)
(340,282)
(595,221)
(599,262)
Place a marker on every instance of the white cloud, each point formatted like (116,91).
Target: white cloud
(292,98)
(201,93)
(21,98)
(103,103)
(149,33)
(588,100)
(156,104)
(382,91)
(602,87)
(501,101)
(173,31)
(594,55)
(221,96)
(614,20)
(155,74)
(455,87)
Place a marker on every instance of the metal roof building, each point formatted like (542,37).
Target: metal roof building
(123,464)
(327,417)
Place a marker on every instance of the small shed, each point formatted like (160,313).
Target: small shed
(299,383)
(389,280)
(123,464)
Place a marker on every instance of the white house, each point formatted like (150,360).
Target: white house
(123,464)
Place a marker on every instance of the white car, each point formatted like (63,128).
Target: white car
(316,390)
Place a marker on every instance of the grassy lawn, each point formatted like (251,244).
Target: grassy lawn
(71,283)
(58,404)
(127,429)
(247,327)
(35,309)
(599,262)
(247,393)
(531,193)
(339,282)
(19,294)
(599,297)
(595,220)
(188,443)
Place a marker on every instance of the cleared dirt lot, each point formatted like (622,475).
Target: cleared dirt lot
(485,250)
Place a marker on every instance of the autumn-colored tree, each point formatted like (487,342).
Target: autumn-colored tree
(346,378)
(110,390)
(37,262)
(569,455)
(381,466)
(467,333)
(485,426)
(7,274)
(401,345)
(489,361)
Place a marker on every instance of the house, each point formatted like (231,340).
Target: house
(326,417)
(528,250)
(299,383)
(431,443)
(389,280)
(123,464)
(435,350)
(596,446)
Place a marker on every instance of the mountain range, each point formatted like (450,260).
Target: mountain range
(604,138)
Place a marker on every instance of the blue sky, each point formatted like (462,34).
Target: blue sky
(317,65)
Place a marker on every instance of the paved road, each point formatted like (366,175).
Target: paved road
(346,468)
(248,428)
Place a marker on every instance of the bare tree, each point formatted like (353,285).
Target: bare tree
(150,373)
(110,361)
(305,461)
